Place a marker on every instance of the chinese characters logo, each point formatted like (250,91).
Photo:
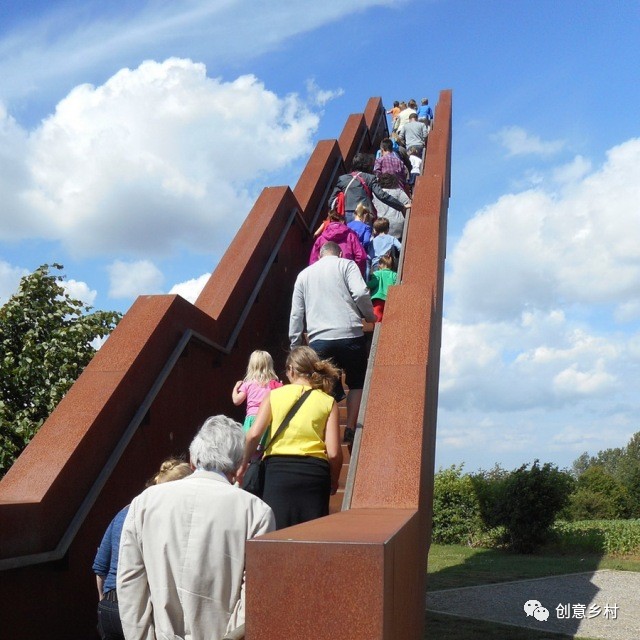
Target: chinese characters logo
(566,611)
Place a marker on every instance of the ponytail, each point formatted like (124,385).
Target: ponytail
(322,374)
(171,469)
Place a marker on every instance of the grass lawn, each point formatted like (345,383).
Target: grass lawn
(442,627)
(452,566)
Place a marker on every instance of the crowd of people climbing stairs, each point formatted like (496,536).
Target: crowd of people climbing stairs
(171,564)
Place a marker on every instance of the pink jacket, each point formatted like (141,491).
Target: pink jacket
(339,233)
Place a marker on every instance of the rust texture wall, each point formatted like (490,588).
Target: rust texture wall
(167,366)
(360,574)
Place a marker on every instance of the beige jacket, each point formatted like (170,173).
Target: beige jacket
(181,563)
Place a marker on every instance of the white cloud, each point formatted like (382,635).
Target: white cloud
(575,170)
(573,381)
(543,360)
(319,96)
(539,249)
(9,278)
(530,357)
(519,142)
(190,289)
(98,342)
(80,291)
(16,218)
(157,158)
(131,279)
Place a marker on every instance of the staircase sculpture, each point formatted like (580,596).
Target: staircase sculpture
(170,364)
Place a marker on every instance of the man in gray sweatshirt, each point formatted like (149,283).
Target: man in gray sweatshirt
(331,299)
(414,133)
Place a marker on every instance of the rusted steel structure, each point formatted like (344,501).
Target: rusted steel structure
(360,574)
(170,364)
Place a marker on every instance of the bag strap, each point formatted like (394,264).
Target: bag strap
(287,419)
(347,187)
(365,186)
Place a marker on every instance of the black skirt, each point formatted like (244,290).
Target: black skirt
(297,488)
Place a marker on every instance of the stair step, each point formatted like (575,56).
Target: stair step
(335,502)
(343,476)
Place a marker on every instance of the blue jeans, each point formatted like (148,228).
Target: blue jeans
(109,625)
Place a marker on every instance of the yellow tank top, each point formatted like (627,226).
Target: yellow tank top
(304,435)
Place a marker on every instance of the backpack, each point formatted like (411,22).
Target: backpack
(339,203)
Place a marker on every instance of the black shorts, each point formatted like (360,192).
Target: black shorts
(350,354)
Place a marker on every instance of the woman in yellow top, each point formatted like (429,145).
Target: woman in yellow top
(303,465)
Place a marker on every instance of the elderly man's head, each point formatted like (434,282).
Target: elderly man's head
(218,446)
(330,249)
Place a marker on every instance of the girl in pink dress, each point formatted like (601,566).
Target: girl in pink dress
(259,379)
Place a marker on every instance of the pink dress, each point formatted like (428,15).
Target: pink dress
(256,393)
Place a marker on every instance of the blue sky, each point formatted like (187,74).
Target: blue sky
(135,136)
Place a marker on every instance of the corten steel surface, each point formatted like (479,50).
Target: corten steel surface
(316,181)
(167,366)
(375,118)
(360,574)
(363,132)
(332,577)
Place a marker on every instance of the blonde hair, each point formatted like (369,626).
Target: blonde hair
(363,213)
(260,368)
(170,470)
(322,374)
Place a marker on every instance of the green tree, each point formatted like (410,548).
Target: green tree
(525,502)
(581,464)
(598,496)
(456,512)
(628,473)
(45,343)
(620,463)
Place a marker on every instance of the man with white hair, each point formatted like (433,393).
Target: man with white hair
(182,551)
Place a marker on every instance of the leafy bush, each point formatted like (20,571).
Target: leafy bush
(599,536)
(456,512)
(45,343)
(525,502)
(622,464)
(598,496)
